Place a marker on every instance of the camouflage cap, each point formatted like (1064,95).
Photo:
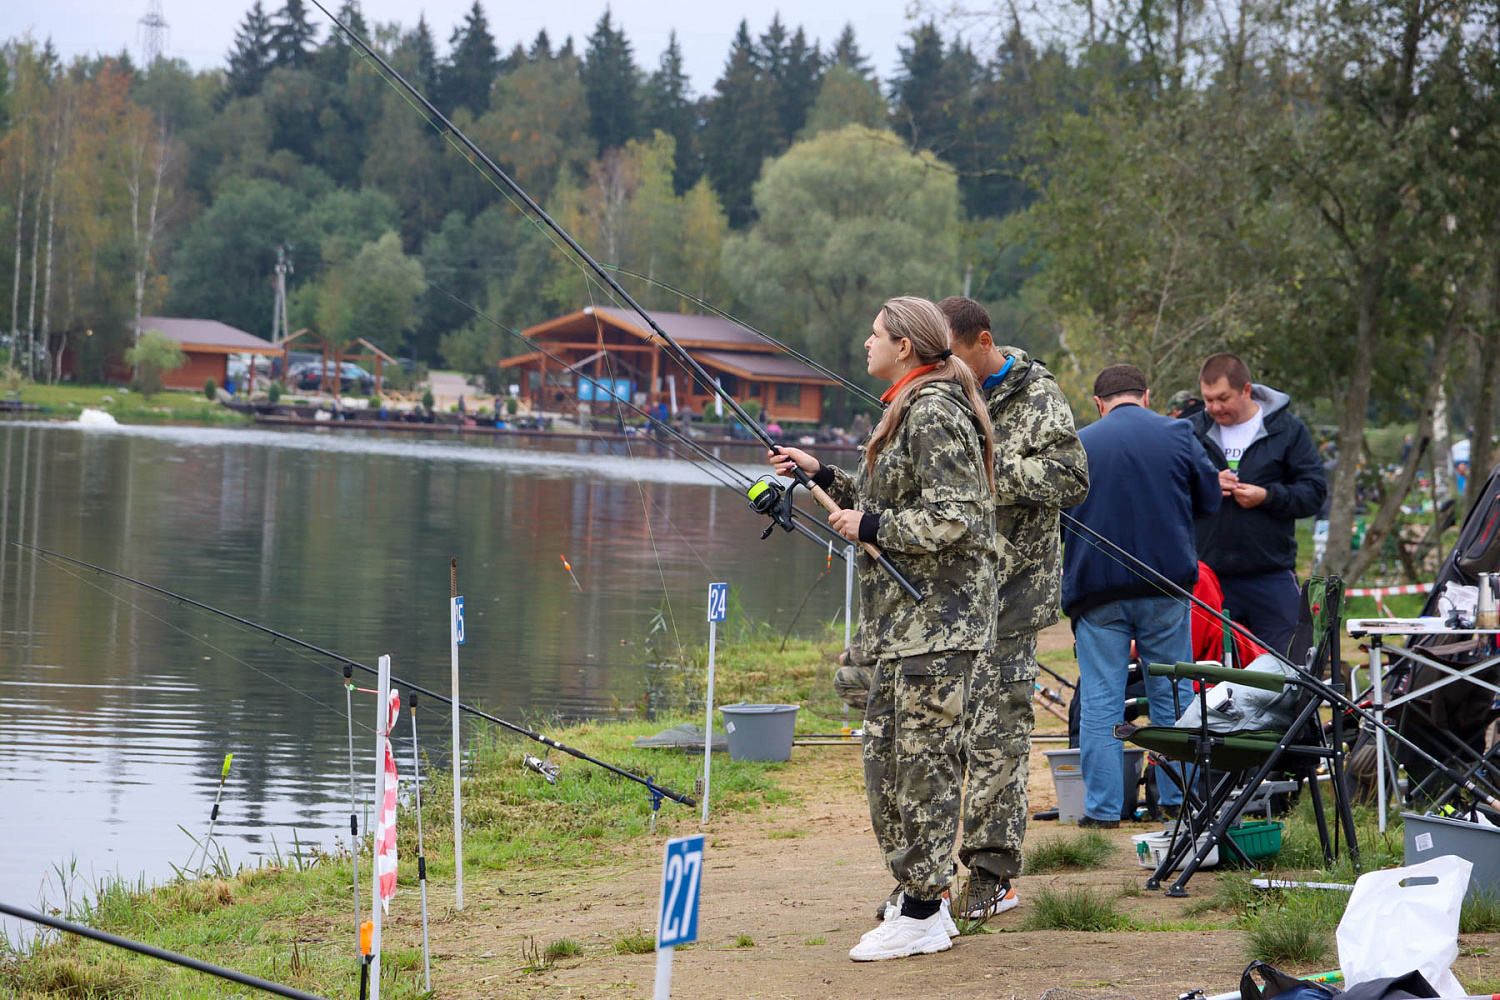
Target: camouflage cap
(1180,400)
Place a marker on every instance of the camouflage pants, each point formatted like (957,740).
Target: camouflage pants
(997,747)
(913,743)
(976,709)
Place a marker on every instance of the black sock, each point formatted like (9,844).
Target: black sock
(919,909)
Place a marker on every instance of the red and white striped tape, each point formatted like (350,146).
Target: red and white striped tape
(1405,588)
(385,830)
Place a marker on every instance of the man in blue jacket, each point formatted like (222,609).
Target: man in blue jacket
(1270,475)
(1149,478)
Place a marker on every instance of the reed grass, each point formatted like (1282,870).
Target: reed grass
(1074,909)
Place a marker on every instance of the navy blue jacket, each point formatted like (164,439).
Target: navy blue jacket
(1237,541)
(1148,479)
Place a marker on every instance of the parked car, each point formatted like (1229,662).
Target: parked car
(308,375)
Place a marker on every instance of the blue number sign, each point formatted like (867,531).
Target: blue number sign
(680,876)
(458,619)
(718,601)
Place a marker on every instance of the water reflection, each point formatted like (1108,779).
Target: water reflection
(117,706)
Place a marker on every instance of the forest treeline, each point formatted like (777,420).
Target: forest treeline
(1313,183)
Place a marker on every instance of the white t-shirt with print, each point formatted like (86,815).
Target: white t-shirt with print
(1238,437)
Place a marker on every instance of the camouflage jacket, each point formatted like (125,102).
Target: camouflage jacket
(1040,468)
(937,526)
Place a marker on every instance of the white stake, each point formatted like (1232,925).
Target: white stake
(455,639)
(353,799)
(416,779)
(718,605)
(382,732)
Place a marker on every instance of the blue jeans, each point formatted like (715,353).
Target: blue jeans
(1161,628)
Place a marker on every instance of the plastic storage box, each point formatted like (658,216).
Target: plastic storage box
(1429,836)
(1257,840)
(1067,779)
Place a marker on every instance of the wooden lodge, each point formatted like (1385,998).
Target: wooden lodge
(613,350)
(207,344)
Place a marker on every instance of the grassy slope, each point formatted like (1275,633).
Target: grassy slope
(69,400)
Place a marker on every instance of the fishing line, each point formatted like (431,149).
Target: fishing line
(48,557)
(703,453)
(771,497)
(657,792)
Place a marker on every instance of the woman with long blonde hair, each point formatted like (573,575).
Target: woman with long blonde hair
(924,495)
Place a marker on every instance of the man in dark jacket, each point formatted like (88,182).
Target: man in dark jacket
(1148,479)
(1270,475)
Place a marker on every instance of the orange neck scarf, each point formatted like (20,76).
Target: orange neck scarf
(896,386)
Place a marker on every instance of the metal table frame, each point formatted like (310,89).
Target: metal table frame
(1376,630)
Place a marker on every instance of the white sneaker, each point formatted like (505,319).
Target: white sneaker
(892,910)
(903,936)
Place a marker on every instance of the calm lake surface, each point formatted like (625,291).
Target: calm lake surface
(118,706)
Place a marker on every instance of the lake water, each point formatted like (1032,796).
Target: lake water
(118,706)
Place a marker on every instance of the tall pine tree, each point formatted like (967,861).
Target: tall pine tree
(799,84)
(743,127)
(293,37)
(333,59)
(934,91)
(612,84)
(669,107)
(846,53)
(250,59)
(468,75)
(420,53)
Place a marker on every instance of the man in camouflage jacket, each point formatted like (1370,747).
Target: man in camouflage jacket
(927,506)
(1040,468)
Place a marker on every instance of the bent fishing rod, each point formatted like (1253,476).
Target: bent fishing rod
(764,496)
(650,784)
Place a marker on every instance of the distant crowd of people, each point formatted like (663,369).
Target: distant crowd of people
(963,483)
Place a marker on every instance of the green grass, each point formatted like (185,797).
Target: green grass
(1290,934)
(635,943)
(814,941)
(562,948)
(744,941)
(67,400)
(1075,909)
(1091,850)
(1480,914)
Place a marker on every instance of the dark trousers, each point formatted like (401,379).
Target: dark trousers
(1266,604)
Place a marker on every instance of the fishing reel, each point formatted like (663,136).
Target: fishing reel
(770,498)
(546,768)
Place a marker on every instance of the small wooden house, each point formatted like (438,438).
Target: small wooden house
(208,345)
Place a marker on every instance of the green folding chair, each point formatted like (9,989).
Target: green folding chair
(1228,768)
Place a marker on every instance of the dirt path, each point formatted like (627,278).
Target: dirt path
(785,895)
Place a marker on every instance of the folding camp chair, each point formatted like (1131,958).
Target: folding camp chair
(1228,768)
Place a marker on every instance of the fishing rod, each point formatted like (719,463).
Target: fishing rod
(657,791)
(697,448)
(767,496)
(1326,691)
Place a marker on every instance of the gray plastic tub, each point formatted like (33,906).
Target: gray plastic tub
(1067,778)
(759,732)
(1429,836)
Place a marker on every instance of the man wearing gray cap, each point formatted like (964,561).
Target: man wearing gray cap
(1148,478)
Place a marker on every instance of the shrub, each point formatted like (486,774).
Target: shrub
(210,390)
(274,393)
(512,405)
(152,357)
(428,400)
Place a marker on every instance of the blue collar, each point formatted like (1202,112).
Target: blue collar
(999,376)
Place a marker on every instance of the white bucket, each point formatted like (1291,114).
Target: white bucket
(1151,850)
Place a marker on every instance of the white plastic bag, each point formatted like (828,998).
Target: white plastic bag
(1402,919)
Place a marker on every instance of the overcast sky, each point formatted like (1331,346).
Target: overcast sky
(202,30)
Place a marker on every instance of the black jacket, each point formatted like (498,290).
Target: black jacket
(1148,479)
(1237,541)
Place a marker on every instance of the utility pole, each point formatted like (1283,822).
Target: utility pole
(153,34)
